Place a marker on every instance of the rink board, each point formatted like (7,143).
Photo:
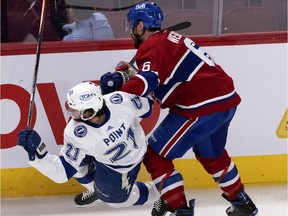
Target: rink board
(254,170)
(257,138)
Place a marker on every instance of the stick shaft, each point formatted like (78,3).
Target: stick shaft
(179,26)
(79,7)
(37,61)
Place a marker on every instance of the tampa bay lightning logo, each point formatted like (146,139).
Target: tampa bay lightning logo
(80,131)
(116,98)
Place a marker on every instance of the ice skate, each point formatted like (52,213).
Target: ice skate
(243,206)
(86,199)
(185,211)
(160,208)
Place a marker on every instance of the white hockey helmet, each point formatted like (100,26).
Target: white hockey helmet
(84,101)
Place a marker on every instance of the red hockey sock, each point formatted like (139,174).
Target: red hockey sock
(224,172)
(168,181)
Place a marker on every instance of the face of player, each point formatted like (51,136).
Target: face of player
(80,115)
(137,34)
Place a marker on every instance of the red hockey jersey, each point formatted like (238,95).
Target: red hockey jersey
(182,76)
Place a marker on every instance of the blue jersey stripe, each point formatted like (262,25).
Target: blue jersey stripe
(144,193)
(183,72)
(70,170)
(118,166)
(150,80)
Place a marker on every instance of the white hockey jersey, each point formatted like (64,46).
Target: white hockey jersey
(119,143)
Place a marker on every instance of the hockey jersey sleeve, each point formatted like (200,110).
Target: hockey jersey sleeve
(141,84)
(54,167)
(142,106)
(61,168)
(147,79)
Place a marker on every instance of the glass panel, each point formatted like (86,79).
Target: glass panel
(103,19)
(245,16)
(23,18)
(199,13)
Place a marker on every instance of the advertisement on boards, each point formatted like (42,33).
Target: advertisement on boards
(259,73)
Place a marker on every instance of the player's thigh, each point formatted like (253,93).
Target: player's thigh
(112,186)
(170,139)
(215,133)
(206,134)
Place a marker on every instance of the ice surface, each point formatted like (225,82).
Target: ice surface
(270,199)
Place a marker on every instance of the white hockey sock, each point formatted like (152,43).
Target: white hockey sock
(141,194)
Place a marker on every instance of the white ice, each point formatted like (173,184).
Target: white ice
(271,200)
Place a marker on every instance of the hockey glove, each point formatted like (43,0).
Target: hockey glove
(31,142)
(127,69)
(110,82)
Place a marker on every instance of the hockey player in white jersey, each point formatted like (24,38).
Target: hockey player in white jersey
(104,131)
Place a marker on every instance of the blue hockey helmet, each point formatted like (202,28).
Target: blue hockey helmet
(149,13)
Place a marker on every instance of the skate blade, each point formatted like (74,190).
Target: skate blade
(90,205)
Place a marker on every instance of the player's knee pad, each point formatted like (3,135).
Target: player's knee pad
(157,165)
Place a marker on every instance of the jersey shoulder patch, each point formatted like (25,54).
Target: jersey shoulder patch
(116,98)
(80,131)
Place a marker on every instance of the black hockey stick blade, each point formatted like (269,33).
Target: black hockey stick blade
(177,27)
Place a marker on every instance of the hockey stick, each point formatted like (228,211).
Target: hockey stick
(99,8)
(177,27)
(38,51)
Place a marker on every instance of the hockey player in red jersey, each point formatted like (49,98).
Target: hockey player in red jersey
(202,101)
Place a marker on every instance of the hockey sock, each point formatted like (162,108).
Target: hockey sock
(168,181)
(171,188)
(147,193)
(224,173)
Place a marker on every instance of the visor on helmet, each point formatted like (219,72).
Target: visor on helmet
(128,24)
(84,101)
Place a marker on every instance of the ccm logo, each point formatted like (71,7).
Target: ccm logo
(87,97)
